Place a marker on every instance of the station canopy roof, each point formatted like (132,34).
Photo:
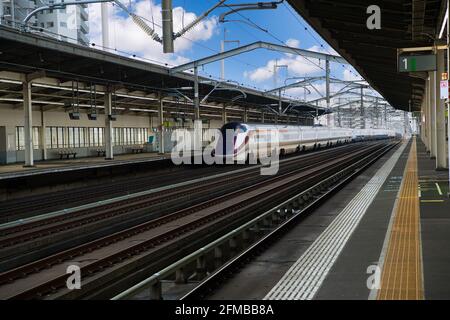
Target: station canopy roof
(29,53)
(404,24)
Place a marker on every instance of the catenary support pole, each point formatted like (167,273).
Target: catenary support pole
(448,101)
(161,125)
(105,25)
(432,106)
(109,152)
(441,154)
(28,124)
(167,26)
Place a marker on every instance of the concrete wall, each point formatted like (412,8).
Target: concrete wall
(11,117)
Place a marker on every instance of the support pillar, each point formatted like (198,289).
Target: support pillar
(43,135)
(363,120)
(448,101)
(432,106)
(441,143)
(105,25)
(280,104)
(426,120)
(262,117)
(109,152)
(197,120)
(28,124)
(224,114)
(327,87)
(161,125)
(245,114)
(428,108)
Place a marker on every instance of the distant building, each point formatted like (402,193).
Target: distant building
(69,24)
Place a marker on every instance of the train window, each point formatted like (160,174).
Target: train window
(237,127)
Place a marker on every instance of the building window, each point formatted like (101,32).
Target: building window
(20,136)
(79,137)
(50,24)
(63,24)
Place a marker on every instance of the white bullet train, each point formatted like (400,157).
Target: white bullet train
(238,139)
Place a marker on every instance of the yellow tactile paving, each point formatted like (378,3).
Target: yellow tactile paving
(401,277)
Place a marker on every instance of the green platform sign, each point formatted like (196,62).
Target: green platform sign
(408,63)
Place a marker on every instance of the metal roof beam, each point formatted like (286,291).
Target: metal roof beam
(254,46)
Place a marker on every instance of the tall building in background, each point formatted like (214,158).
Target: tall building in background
(69,24)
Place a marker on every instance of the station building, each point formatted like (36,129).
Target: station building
(84,102)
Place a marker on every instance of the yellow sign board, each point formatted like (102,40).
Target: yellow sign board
(444,76)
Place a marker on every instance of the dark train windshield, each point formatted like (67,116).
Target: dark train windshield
(235,126)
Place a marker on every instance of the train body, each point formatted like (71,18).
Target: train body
(238,139)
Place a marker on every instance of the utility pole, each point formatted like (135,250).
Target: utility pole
(448,102)
(363,120)
(197,120)
(222,49)
(105,25)
(13,14)
(327,84)
(275,83)
(167,26)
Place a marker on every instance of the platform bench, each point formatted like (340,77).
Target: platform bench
(101,152)
(137,149)
(67,153)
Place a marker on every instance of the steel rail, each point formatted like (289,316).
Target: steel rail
(211,283)
(119,256)
(18,234)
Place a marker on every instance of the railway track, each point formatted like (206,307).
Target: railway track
(223,273)
(54,230)
(20,208)
(14,209)
(129,250)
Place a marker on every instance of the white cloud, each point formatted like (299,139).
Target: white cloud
(326,50)
(350,76)
(297,65)
(293,43)
(126,36)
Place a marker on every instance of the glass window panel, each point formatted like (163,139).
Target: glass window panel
(48,137)
(91,137)
(60,137)
(71,138)
(139,135)
(35,137)
(101,134)
(76,137)
(20,143)
(95,136)
(83,141)
(54,136)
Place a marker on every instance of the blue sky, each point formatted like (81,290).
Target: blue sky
(253,69)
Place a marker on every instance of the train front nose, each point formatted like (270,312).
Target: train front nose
(226,144)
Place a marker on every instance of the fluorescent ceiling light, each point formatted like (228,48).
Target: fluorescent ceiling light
(444,23)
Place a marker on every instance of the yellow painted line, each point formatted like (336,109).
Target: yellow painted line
(401,277)
(438,189)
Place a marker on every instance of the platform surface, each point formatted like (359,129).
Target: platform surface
(401,244)
(258,277)
(18,169)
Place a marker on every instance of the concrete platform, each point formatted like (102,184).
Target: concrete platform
(258,277)
(435,226)
(347,280)
(18,170)
(361,260)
